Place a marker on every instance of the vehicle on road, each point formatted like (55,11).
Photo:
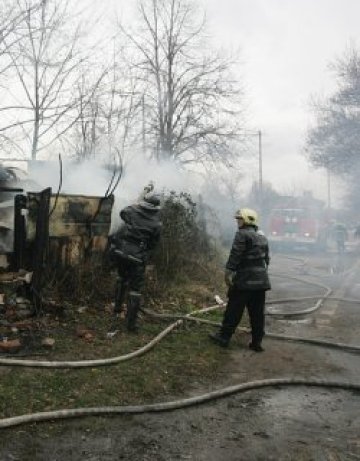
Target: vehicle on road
(298,223)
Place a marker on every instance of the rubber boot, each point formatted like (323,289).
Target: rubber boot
(219,339)
(257,347)
(120,291)
(133,307)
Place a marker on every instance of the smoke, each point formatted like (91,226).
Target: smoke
(218,193)
(166,175)
(91,178)
(86,178)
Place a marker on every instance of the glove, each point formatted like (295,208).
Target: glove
(149,187)
(229,275)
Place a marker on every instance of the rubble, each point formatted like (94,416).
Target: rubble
(48,342)
(85,333)
(10,345)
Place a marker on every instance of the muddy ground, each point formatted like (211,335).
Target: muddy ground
(277,423)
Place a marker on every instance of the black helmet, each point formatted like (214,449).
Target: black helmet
(151,202)
(153,199)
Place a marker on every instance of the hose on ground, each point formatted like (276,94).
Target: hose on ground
(175,404)
(303,263)
(183,403)
(299,279)
(180,318)
(100,362)
(318,342)
(308,310)
(309,298)
(91,363)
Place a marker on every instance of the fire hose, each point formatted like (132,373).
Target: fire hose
(160,336)
(175,404)
(182,403)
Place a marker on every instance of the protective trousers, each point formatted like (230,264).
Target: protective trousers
(120,291)
(128,287)
(132,310)
(254,301)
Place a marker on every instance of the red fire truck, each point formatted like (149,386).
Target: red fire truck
(298,222)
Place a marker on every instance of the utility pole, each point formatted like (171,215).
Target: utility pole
(260,190)
(260,172)
(328,189)
(143,123)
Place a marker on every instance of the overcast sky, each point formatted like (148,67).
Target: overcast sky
(285,49)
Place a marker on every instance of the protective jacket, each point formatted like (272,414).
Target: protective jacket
(340,232)
(249,259)
(139,234)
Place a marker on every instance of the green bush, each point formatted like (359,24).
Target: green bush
(184,238)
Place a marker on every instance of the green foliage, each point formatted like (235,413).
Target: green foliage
(184,237)
(184,255)
(167,370)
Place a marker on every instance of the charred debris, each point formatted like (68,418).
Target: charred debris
(42,230)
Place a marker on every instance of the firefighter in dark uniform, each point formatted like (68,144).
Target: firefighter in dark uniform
(247,279)
(340,236)
(130,249)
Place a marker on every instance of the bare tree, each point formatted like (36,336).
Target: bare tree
(191,103)
(11,31)
(109,124)
(11,20)
(86,126)
(46,62)
(334,140)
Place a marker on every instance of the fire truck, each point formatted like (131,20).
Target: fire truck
(298,222)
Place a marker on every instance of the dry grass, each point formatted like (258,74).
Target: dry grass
(182,358)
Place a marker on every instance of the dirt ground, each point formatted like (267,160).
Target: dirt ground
(275,423)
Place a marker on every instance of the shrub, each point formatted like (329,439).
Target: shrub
(184,238)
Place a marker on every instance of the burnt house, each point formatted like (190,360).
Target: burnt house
(38,229)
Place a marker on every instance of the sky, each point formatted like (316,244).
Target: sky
(285,49)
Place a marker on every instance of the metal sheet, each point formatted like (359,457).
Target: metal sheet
(73,215)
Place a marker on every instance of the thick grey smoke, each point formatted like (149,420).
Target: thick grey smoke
(91,178)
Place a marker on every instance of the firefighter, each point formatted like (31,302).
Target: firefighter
(340,235)
(247,279)
(357,232)
(130,249)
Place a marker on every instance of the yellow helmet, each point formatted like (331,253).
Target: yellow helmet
(250,217)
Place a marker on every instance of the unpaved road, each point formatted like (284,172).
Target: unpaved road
(282,423)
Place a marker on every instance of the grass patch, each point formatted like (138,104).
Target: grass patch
(168,370)
(182,360)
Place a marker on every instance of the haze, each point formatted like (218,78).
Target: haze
(285,51)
